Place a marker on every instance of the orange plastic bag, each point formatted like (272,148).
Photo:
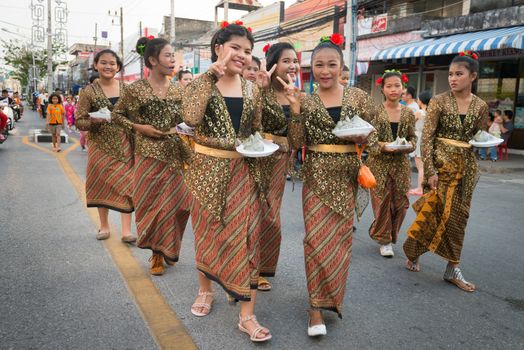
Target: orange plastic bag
(365,178)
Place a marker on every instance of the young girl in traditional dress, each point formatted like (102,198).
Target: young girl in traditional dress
(331,167)
(222,107)
(151,107)
(281,61)
(110,155)
(451,170)
(391,167)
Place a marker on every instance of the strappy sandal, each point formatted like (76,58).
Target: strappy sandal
(264,285)
(203,304)
(454,276)
(412,266)
(257,331)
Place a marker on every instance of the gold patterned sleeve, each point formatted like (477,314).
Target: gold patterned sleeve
(120,114)
(411,135)
(369,113)
(258,103)
(484,117)
(296,126)
(83,121)
(196,97)
(428,136)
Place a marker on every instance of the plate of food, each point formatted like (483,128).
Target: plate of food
(102,113)
(399,144)
(483,139)
(256,146)
(355,126)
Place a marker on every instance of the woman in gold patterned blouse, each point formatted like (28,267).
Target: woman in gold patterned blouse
(329,192)
(282,62)
(110,155)
(451,170)
(150,107)
(222,107)
(391,167)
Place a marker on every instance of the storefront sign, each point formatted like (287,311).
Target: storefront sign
(370,25)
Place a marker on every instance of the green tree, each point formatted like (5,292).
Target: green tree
(19,55)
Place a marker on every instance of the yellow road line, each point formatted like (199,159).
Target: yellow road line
(167,330)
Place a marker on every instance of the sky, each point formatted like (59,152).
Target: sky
(15,16)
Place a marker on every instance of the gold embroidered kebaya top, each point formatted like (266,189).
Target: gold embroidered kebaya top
(332,176)
(106,135)
(274,120)
(443,121)
(396,165)
(140,105)
(205,109)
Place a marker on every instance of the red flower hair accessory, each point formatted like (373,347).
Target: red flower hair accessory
(266,47)
(379,81)
(249,29)
(404,78)
(469,54)
(335,39)
(224,24)
(151,37)
(239,22)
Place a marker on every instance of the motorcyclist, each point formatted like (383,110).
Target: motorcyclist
(18,102)
(3,126)
(5,95)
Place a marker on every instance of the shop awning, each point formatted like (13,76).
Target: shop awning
(477,41)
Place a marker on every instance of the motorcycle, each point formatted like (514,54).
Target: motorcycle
(16,112)
(10,115)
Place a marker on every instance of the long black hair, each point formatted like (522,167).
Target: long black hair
(112,53)
(223,35)
(274,53)
(148,48)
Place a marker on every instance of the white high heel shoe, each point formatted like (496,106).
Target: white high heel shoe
(316,330)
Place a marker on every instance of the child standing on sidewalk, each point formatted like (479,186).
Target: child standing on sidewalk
(55,120)
(70,109)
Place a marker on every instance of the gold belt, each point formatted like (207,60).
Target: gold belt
(455,143)
(279,139)
(333,148)
(217,153)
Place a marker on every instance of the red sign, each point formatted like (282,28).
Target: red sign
(379,24)
(83,54)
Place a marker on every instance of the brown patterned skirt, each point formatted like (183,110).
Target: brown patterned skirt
(327,252)
(442,215)
(390,210)
(271,234)
(108,180)
(162,203)
(227,251)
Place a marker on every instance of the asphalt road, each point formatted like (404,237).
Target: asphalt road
(59,288)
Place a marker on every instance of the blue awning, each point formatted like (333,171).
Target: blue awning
(477,41)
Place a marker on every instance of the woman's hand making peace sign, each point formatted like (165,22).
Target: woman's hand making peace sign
(292,94)
(264,76)
(219,67)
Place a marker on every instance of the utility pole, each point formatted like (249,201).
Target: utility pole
(49,49)
(121,38)
(95,38)
(141,57)
(226,9)
(172,31)
(351,37)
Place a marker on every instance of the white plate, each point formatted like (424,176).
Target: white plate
(185,129)
(398,147)
(101,116)
(364,131)
(494,141)
(269,149)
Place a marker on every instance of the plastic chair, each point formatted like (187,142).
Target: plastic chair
(502,151)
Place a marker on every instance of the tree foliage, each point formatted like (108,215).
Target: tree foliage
(19,55)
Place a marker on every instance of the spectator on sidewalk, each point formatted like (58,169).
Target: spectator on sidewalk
(250,71)
(344,77)
(507,125)
(70,109)
(495,130)
(55,120)
(409,98)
